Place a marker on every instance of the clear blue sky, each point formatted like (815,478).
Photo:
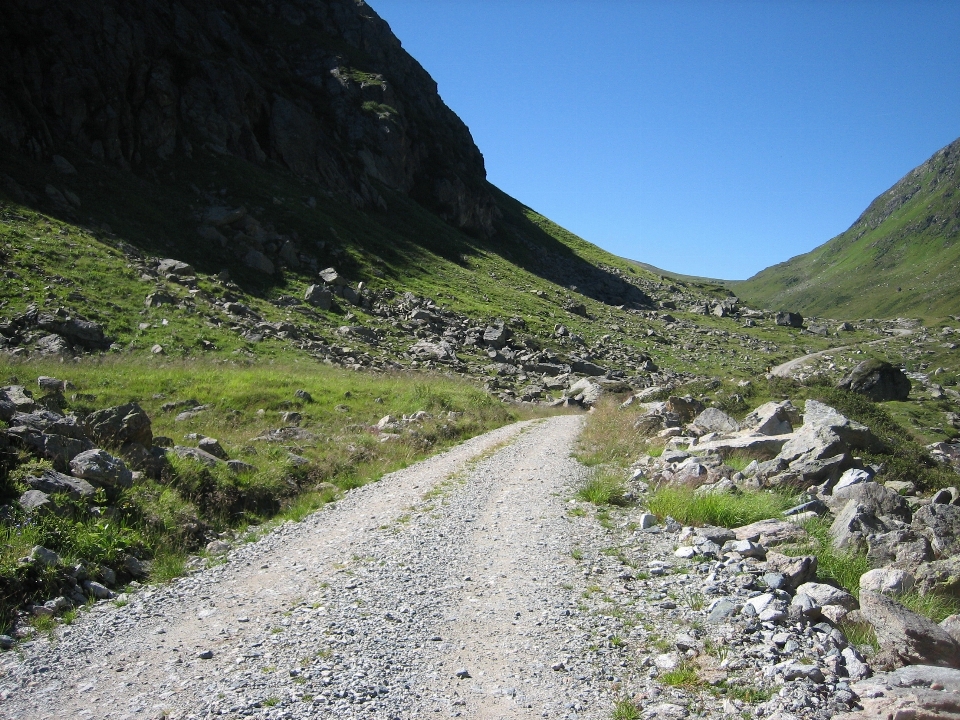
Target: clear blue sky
(706,137)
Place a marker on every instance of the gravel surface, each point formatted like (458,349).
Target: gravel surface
(448,587)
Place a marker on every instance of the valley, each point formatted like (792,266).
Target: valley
(300,416)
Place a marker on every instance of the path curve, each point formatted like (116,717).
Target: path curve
(787,369)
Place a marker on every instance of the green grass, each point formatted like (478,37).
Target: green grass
(162,521)
(843,568)
(935,606)
(886,265)
(602,488)
(625,709)
(721,509)
(683,675)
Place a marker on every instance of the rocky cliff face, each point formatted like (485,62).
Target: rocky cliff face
(321,87)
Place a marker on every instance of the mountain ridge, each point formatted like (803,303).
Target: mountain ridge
(899,257)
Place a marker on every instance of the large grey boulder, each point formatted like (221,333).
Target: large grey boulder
(52,482)
(940,524)
(174,268)
(824,595)
(21,398)
(319,296)
(878,380)
(826,433)
(200,456)
(102,468)
(497,336)
(904,547)
(853,525)
(907,638)
(256,260)
(939,576)
(59,449)
(773,418)
(795,570)
(789,319)
(772,532)
(913,692)
(586,391)
(714,420)
(881,501)
(442,351)
(117,426)
(887,581)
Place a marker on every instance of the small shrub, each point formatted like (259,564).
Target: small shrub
(603,488)
(625,709)
(684,675)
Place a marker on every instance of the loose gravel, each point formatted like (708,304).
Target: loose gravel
(446,588)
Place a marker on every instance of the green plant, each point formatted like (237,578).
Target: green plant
(722,509)
(603,488)
(935,606)
(844,568)
(683,675)
(625,709)
(859,634)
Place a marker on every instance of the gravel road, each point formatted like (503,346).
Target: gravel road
(447,587)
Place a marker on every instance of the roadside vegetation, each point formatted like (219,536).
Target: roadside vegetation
(163,521)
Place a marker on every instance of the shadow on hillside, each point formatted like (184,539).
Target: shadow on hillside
(522,242)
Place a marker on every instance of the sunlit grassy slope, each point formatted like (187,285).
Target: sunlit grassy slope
(901,257)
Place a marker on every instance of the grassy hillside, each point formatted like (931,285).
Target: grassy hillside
(901,257)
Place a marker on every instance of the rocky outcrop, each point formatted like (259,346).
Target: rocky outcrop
(321,87)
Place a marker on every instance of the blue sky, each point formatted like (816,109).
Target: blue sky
(705,137)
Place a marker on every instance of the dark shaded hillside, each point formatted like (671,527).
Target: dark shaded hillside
(322,88)
(901,256)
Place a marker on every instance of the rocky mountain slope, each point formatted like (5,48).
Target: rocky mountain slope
(901,256)
(323,89)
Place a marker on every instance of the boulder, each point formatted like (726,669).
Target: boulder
(319,296)
(878,380)
(585,367)
(879,500)
(220,216)
(213,447)
(789,319)
(102,468)
(773,418)
(174,268)
(940,524)
(904,547)
(824,595)
(714,420)
(853,525)
(587,391)
(913,692)
(795,570)
(200,456)
(757,446)
(7,407)
(497,336)
(117,426)
(887,581)
(332,277)
(441,351)
(907,638)
(52,482)
(21,398)
(38,502)
(939,576)
(772,532)
(256,260)
(853,476)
